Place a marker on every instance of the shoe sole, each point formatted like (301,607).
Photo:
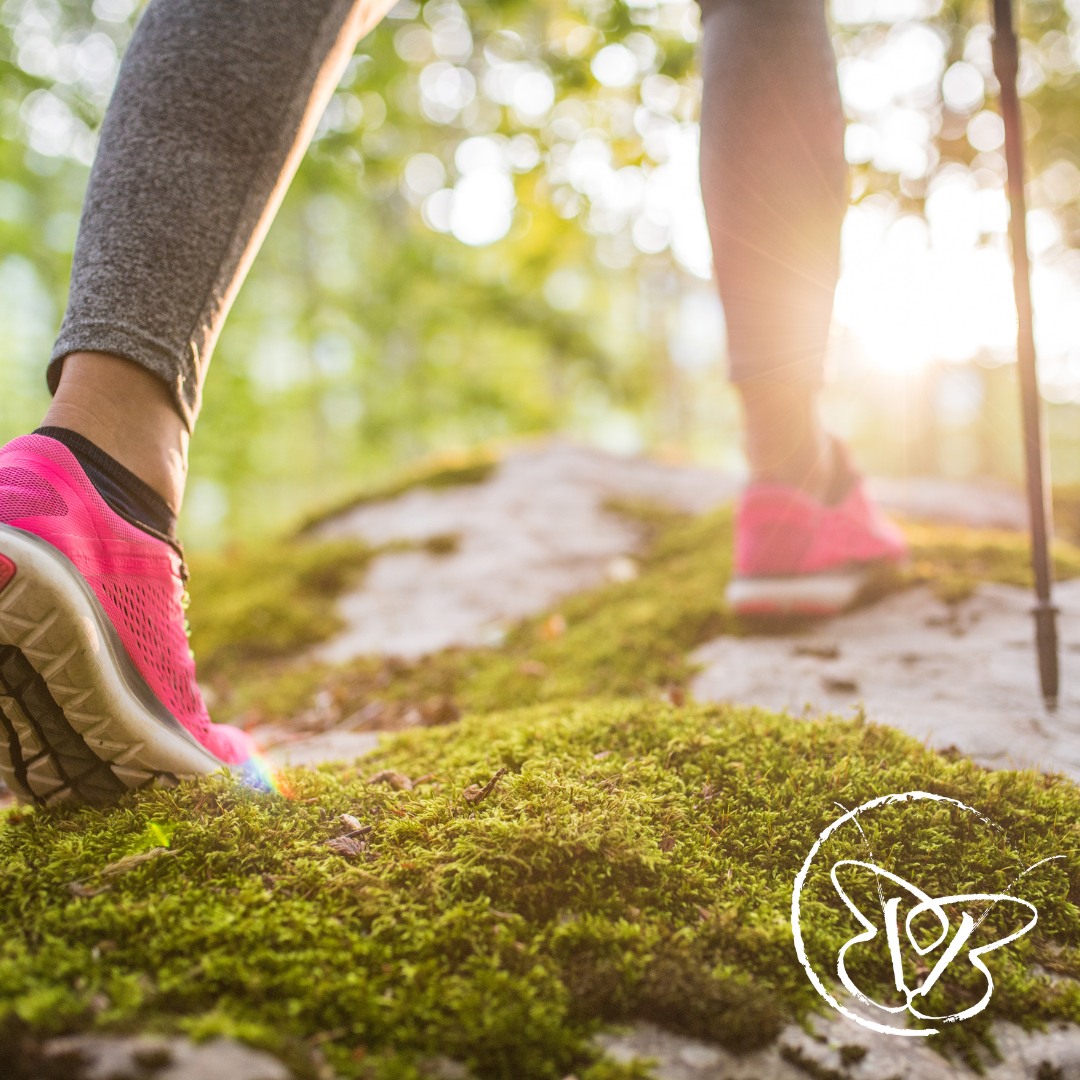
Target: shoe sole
(801,595)
(77,720)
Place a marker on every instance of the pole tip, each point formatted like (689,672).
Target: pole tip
(1046,641)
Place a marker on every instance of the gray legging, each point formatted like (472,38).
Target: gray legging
(217,101)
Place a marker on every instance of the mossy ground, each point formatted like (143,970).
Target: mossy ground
(636,860)
(629,638)
(262,604)
(442,471)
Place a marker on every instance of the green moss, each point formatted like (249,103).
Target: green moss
(626,638)
(1067,513)
(955,560)
(636,860)
(621,639)
(443,471)
(252,605)
(259,604)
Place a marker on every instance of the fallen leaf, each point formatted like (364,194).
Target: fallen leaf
(836,684)
(822,651)
(675,695)
(439,710)
(667,843)
(474,793)
(346,845)
(398,781)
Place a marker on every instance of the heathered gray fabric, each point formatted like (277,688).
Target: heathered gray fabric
(216,103)
(214,106)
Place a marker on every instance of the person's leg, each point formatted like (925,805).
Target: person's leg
(774,186)
(807,537)
(215,104)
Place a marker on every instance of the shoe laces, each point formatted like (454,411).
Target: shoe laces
(185,596)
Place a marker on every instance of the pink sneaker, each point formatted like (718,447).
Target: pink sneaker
(97,682)
(795,556)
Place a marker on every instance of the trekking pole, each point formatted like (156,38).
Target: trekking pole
(1006,68)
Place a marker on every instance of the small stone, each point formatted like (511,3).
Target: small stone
(138,1058)
(622,569)
(367,717)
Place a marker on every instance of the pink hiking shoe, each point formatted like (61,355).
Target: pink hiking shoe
(97,682)
(795,556)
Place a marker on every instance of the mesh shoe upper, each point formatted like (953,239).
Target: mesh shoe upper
(780,531)
(138,579)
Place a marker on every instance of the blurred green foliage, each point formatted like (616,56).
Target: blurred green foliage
(370,333)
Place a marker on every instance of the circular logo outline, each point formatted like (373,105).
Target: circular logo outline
(800,881)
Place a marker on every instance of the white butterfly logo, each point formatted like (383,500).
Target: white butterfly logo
(953,948)
(889,926)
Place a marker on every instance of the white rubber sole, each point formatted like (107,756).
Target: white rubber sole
(798,595)
(77,720)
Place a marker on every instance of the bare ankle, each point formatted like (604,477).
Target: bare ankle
(128,413)
(785,439)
